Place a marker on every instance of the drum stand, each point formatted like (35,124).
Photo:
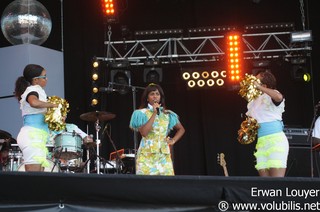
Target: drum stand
(97,126)
(57,160)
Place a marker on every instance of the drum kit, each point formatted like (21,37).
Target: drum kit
(65,155)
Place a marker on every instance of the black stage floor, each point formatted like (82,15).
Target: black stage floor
(23,191)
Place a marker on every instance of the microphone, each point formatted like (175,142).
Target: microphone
(107,89)
(158,109)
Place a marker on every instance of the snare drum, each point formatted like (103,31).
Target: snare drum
(67,146)
(21,168)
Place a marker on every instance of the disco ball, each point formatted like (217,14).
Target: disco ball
(26,22)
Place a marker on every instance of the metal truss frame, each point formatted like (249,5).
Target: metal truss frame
(202,48)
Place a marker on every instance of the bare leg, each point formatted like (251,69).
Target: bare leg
(34,168)
(264,173)
(277,172)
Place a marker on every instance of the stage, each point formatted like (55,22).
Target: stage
(22,191)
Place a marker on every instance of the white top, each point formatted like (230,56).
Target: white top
(25,107)
(316,129)
(264,110)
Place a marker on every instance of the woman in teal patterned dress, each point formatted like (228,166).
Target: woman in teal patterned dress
(154,122)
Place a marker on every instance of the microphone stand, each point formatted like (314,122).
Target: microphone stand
(309,139)
(134,90)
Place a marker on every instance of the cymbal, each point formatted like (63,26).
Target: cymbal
(4,134)
(97,115)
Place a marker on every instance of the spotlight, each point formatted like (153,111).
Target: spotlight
(186,75)
(95,64)
(152,75)
(299,73)
(121,80)
(207,77)
(302,36)
(299,69)
(95,76)
(152,72)
(109,10)
(306,77)
(94,102)
(234,60)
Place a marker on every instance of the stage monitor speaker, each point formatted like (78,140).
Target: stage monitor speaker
(297,136)
(299,162)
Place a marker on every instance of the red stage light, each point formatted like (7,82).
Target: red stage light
(233,55)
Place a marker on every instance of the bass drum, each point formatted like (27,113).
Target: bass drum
(21,168)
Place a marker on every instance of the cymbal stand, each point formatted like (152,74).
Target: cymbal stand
(88,161)
(118,158)
(11,157)
(97,126)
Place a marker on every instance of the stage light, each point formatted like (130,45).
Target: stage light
(195,75)
(299,69)
(260,66)
(220,82)
(95,64)
(109,10)
(201,83)
(191,83)
(94,102)
(302,36)
(210,82)
(160,32)
(121,80)
(269,26)
(299,73)
(95,89)
(152,74)
(210,30)
(198,77)
(205,74)
(95,76)
(95,82)
(306,77)
(234,57)
(186,75)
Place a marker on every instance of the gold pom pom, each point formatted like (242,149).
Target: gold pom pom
(247,88)
(248,131)
(55,117)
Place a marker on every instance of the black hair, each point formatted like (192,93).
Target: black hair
(152,87)
(30,71)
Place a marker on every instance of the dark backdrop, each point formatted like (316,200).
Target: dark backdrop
(211,117)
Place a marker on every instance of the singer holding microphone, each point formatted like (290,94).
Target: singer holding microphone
(154,122)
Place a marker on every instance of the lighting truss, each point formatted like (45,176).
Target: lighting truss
(201,48)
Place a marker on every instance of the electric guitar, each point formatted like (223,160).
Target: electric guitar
(222,162)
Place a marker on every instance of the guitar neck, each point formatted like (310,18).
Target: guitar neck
(225,171)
